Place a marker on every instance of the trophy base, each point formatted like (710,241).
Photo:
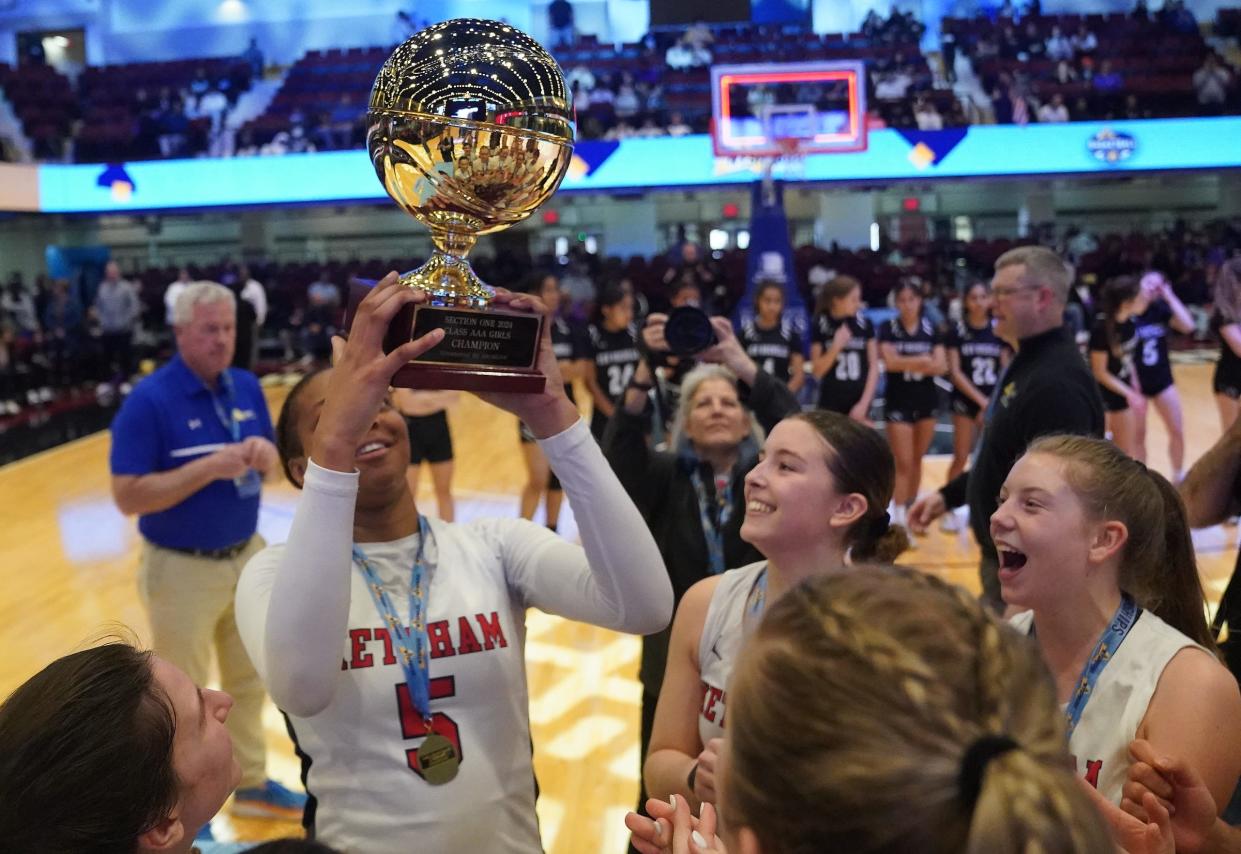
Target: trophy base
(417,376)
(483,350)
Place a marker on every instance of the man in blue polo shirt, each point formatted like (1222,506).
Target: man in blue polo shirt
(190,447)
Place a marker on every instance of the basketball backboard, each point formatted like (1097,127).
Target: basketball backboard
(770,109)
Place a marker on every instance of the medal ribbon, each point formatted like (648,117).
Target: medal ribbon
(713,524)
(1122,621)
(410,640)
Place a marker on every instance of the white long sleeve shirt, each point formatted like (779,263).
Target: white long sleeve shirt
(313,632)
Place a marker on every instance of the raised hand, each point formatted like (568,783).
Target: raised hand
(362,373)
(548,412)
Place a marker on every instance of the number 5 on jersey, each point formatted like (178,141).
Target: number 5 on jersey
(413,726)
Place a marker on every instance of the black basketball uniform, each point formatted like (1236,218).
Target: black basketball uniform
(842,386)
(616,358)
(981,352)
(1227,379)
(1151,354)
(771,349)
(570,343)
(1126,335)
(910,396)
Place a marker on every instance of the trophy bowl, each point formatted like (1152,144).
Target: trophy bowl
(470,129)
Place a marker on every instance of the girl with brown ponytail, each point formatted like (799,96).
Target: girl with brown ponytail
(815,501)
(1097,548)
(884,711)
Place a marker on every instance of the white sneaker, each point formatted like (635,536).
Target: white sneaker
(950,523)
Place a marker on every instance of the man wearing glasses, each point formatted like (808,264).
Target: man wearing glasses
(1046,389)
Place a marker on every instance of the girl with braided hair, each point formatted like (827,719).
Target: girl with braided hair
(884,711)
(1097,548)
(815,500)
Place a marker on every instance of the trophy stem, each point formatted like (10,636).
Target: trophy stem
(449,280)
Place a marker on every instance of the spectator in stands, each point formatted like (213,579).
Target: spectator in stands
(677,125)
(602,94)
(1107,79)
(1010,44)
(1211,83)
(213,105)
(560,21)
(1177,17)
(892,85)
(1058,46)
(699,37)
(649,129)
(200,85)
(173,291)
(1054,111)
(252,56)
(252,292)
(19,304)
(927,117)
(1065,72)
(1002,100)
(117,309)
(581,76)
(338,131)
(1032,46)
(173,126)
(1084,41)
(626,103)
(62,334)
(1133,108)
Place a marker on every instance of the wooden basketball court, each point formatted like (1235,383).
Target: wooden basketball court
(68,568)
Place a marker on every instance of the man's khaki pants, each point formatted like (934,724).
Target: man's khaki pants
(190,603)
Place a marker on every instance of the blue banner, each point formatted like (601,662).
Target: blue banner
(1077,148)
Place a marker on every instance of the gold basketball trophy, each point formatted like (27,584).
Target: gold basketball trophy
(470,130)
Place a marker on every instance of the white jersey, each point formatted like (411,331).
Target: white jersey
(357,752)
(722,633)
(1100,743)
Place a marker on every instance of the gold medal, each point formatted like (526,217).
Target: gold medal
(438,759)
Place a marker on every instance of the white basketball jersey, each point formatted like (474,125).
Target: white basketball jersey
(357,753)
(1100,743)
(722,634)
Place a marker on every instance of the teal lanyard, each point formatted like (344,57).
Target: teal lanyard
(713,523)
(410,641)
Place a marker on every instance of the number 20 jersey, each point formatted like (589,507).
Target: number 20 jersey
(844,382)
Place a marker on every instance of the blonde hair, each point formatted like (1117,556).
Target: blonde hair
(689,387)
(199,293)
(1042,267)
(1157,563)
(852,709)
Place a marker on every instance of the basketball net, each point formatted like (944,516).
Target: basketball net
(791,162)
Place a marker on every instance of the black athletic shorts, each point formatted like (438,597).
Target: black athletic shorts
(911,404)
(1157,388)
(962,405)
(1113,402)
(1226,381)
(429,438)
